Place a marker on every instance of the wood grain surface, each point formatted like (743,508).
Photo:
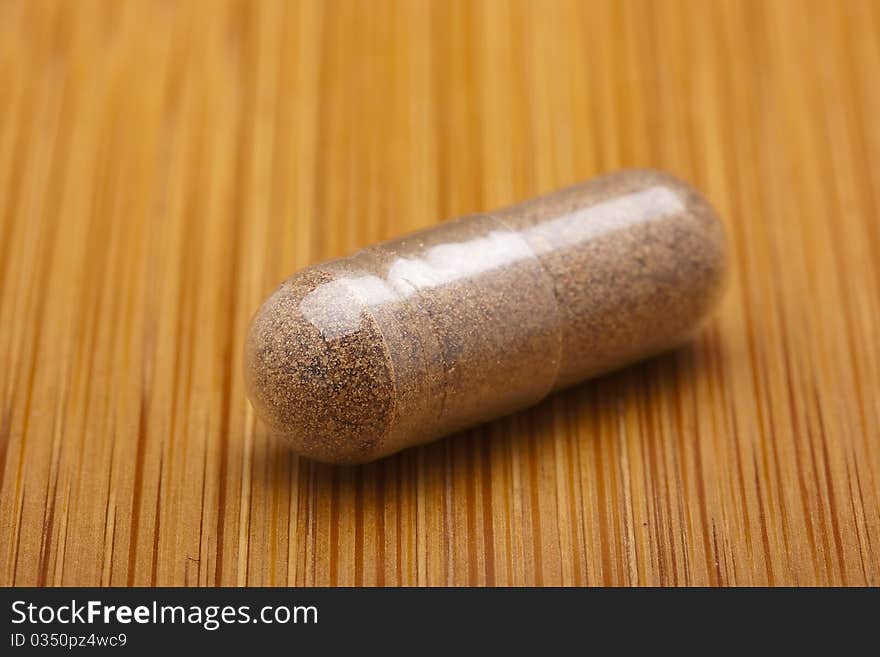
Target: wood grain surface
(164,165)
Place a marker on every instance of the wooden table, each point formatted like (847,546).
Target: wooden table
(163,165)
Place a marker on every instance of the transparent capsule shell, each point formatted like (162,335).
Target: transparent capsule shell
(419,337)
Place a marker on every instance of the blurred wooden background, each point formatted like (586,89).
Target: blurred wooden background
(164,165)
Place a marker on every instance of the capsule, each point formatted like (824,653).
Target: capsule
(415,338)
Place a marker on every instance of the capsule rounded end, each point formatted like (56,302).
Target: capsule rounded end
(701,236)
(317,370)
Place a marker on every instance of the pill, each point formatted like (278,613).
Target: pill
(474,318)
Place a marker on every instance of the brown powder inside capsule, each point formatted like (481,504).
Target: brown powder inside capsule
(422,336)
(331,394)
(642,280)
(472,330)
